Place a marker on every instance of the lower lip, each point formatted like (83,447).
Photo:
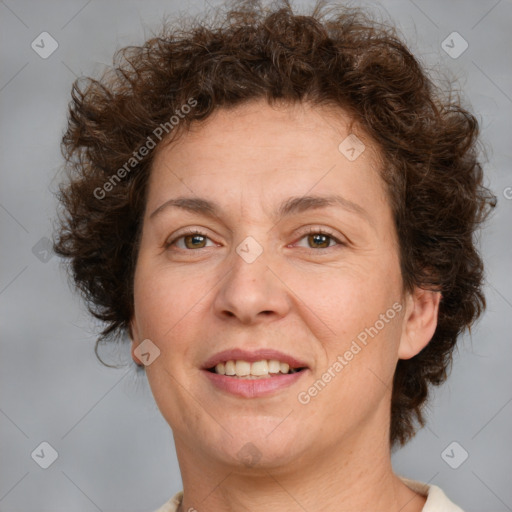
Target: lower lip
(253,388)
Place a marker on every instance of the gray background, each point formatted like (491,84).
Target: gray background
(115,451)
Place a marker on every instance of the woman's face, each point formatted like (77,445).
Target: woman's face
(296,261)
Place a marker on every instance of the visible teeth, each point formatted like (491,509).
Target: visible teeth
(257,369)
(274,366)
(229,368)
(242,368)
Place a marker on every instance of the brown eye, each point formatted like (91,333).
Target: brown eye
(319,240)
(189,241)
(194,241)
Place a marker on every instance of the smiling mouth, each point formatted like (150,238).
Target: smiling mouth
(265,368)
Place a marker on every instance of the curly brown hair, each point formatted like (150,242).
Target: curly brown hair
(334,56)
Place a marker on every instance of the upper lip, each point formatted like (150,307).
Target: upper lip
(252,356)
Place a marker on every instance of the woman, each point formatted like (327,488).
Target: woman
(279,211)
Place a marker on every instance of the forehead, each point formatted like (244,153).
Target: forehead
(265,149)
(256,123)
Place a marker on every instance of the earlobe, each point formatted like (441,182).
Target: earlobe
(136,360)
(420,322)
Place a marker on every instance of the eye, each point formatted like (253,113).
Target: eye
(192,239)
(320,239)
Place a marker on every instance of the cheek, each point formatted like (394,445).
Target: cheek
(356,378)
(345,301)
(354,314)
(164,298)
(165,310)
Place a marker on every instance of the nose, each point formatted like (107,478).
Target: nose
(252,291)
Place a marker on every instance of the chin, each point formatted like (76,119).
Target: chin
(254,447)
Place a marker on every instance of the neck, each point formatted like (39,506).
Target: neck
(356,475)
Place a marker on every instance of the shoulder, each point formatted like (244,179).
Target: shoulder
(437,501)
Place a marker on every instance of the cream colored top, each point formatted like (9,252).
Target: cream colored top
(436,498)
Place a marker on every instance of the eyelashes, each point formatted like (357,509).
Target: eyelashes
(191,233)
(193,239)
(322,233)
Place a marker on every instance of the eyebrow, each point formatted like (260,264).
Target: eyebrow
(290,206)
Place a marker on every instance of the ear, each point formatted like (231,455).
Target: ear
(420,321)
(134,337)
